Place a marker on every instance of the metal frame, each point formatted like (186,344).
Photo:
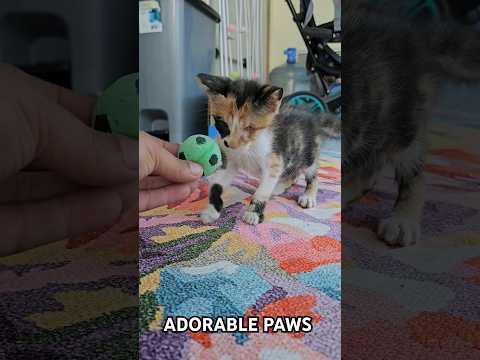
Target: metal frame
(322,59)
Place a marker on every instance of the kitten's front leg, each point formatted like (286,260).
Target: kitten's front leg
(218,182)
(403,227)
(270,176)
(309,198)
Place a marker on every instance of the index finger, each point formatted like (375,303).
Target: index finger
(57,141)
(171,148)
(158,157)
(81,106)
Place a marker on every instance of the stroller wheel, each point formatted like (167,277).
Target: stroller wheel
(306,100)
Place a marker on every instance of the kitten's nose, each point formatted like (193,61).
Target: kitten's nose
(226,143)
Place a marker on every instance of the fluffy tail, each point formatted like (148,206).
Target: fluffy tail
(330,125)
(456,52)
(326,123)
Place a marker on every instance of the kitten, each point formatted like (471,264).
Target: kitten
(393,70)
(273,143)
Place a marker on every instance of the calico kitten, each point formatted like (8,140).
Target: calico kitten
(259,137)
(392,71)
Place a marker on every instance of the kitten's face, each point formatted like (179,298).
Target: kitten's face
(241,108)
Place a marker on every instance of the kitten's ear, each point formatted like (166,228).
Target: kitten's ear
(214,84)
(270,96)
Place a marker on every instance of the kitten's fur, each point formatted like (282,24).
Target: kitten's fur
(256,136)
(392,70)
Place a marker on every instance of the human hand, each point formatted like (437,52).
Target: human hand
(58,177)
(163,177)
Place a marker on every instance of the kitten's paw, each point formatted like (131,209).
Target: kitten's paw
(397,230)
(251,217)
(209,215)
(307,201)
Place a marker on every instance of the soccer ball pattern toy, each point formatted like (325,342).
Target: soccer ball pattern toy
(202,150)
(117,107)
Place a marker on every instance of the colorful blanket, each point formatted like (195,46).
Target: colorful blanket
(73,299)
(418,302)
(289,265)
(80,296)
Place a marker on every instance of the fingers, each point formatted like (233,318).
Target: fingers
(79,105)
(25,226)
(43,185)
(156,158)
(176,170)
(33,186)
(150,199)
(153,182)
(171,148)
(55,140)
(129,196)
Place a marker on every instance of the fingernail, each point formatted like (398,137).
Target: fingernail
(195,169)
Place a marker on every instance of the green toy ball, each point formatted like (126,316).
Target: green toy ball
(202,150)
(117,107)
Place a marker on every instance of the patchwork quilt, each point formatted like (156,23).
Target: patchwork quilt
(289,265)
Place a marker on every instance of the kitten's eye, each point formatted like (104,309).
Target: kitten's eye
(250,128)
(222,126)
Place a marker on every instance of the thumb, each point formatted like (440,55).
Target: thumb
(155,159)
(175,170)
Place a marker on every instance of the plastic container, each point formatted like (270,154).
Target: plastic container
(181,45)
(292,76)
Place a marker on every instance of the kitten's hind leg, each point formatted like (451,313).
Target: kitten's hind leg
(309,198)
(403,227)
(218,182)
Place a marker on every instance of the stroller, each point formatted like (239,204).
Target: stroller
(322,61)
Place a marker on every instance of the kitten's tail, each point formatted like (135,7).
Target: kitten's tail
(330,125)
(457,52)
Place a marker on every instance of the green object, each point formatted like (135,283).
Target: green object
(202,150)
(117,107)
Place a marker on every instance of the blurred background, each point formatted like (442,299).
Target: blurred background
(84,45)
